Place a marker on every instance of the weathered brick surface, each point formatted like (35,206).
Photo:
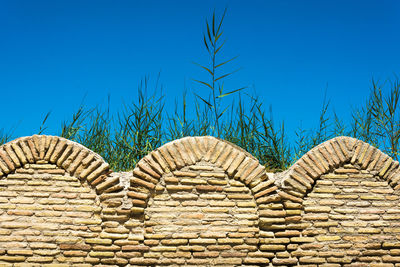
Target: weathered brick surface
(199,213)
(197,201)
(352,216)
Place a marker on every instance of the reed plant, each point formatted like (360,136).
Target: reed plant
(213,43)
(129,134)
(123,137)
(4,136)
(122,140)
(378,120)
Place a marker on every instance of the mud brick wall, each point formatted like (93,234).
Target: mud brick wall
(352,216)
(197,201)
(43,210)
(201,216)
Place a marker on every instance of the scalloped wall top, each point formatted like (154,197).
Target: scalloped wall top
(74,158)
(301,176)
(238,163)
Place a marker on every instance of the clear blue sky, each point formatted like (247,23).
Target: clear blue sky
(54,53)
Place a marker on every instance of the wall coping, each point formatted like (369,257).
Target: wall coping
(74,158)
(292,184)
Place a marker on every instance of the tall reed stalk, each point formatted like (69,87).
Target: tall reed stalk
(124,137)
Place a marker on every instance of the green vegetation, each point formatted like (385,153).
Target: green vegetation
(213,46)
(4,137)
(122,139)
(378,121)
(140,127)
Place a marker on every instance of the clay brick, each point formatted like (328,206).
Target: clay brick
(12,258)
(185,152)
(163,157)
(175,155)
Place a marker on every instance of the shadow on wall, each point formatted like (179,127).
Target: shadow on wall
(197,201)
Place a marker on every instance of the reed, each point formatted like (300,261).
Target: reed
(141,126)
(123,138)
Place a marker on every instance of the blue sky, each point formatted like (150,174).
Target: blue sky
(53,54)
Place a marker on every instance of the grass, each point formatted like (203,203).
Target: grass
(123,138)
(4,136)
(140,127)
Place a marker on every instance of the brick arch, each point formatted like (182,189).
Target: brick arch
(74,158)
(175,155)
(235,162)
(53,196)
(185,171)
(345,193)
(297,207)
(300,178)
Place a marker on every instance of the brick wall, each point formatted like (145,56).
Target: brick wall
(197,201)
(43,212)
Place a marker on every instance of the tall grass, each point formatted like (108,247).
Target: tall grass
(213,43)
(378,121)
(122,138)
(4,136)
(145,125)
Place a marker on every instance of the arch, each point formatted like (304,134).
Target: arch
(323,158)
(204,169)
(74,158)
(347,199)
(173,156)
(54,197)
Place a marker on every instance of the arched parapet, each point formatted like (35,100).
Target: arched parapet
(74,158)
(201,191)
(325,203)
(173,156)
(57,195)
(342,194)
(300,178)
